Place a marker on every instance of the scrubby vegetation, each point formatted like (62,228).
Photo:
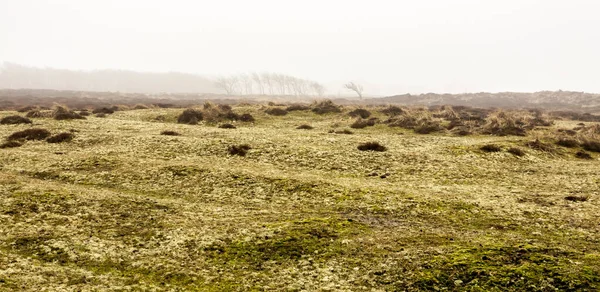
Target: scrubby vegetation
(371,146)
(14,120)
(239,150)
(360,112)
(170,133)
(227,126)
(305,127)
(325,107)
(271,207)
(276,111)
(30,134)
(190,117)
(61,138)
(63,113)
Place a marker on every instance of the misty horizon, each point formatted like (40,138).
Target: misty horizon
(389,47)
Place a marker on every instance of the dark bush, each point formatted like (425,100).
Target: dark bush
(35,114)
(344,131)
(104,110)
(227,126)
(276,111)
(516,151)
(392,111)
(26,109)
(140,107)
(577,198)
(583,155)
(325,107)
(360,124)
(428,127)
(10,144)
(69,115)
(593,146)
(84,113)
(360,112)
(60,138)
(246,118)
(101,115)
(297,107)
(164,105)
(240,150)
(170,133)
(568,132)
(224,107)
(305,127)
(14,120)
(371,146)
(539,145)
(490,148)
(461,131)
(30,134)
(569,143)
(190,117)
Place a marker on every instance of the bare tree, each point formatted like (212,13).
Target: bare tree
(269,81)
(259,82)
(355,87)
(318,88)
(228,84)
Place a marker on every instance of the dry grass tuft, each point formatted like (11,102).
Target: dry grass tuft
(61,138)
(362,123)
(325,107)
(170,133)
(103,110)
(371,146)
(10,144)
(227,126)
(592,146)
(305,127)
(490,148)
(30,134)
(276,111)
(239,150)
(297,107)
(190,117)
(574,198)
(583,155)
(516,151)
(568,143)
(360,112)
(15,120)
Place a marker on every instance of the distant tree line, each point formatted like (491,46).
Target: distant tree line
(268,84)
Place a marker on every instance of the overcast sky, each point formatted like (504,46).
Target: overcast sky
(392,47)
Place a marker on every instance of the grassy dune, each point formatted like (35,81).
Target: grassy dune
(121,207)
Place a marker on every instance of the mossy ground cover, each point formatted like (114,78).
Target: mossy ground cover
(122,207)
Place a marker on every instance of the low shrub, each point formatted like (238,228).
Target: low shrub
(325,107)
(140,107)
(104,110)
(246,118)
(592,146)
(35,114)
(361,123)
(170,133)
(360,112)
(10,144)
(583,155)
(240,150)
(569,143)
(297,107)
(305,127)
(573,198)
(30,134)
(101,115)
(392,111)
(490,148)
(344,131)
(371,146)
(26,109)
(540,146)
(70,115)
(276,111)
(14,120)
(516,151)
(227,126)
(428,127)
(60,138)
(84,113)
(190,117)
